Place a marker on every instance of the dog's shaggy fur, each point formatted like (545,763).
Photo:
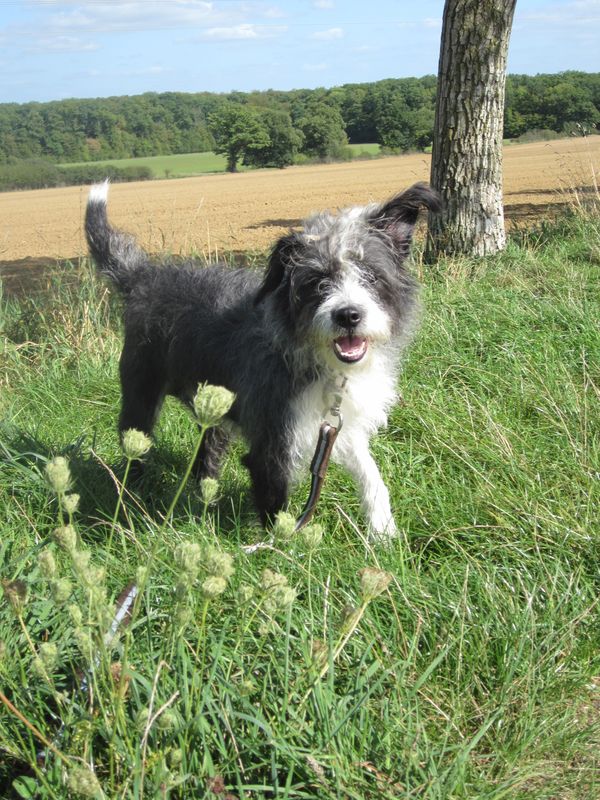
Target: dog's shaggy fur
(335,301)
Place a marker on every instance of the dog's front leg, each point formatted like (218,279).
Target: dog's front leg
(270,474)
(374,495)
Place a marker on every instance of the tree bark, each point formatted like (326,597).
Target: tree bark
(466,166)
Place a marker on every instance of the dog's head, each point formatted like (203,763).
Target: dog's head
(340,284)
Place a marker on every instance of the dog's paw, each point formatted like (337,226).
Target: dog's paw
(383,530)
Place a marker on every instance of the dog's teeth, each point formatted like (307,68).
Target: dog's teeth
(350,348)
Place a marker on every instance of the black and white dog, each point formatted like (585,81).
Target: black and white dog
(336,302)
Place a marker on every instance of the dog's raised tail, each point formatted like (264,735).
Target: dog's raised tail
(117,254)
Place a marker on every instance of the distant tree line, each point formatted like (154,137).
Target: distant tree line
(276,128)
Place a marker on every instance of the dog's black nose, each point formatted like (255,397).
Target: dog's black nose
(347,317)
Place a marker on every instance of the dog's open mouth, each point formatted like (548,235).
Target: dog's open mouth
(350,348)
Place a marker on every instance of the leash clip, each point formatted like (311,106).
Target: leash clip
(336,392)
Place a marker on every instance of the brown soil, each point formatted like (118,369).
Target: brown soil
(213,214)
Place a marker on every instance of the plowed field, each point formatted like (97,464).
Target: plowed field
(223,213)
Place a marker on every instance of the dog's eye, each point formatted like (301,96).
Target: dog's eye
(323,286)
(371,278)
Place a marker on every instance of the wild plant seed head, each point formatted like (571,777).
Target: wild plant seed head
(15,593)
(284,528)
(182,588)
(58,474)
(285,597)
(246,593)
(135,443)
(269,579)
(66,538)
(188,557)
(38,669)
(312,535)
(211,403)
(82,781)
(319,652)
(47,563)
(167,721)
(48,653)
(83,640)
(76,615)
(218,563)
(183,615)
(209,490)
(81,562)
(373,582)
(61,590)
(213,586)
(280,595)
(70,503)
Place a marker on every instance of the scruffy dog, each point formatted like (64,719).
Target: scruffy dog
(335,302)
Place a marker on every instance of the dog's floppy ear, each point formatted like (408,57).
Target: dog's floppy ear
(281,256)
(399,215)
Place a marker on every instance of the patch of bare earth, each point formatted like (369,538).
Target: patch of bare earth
(215,214)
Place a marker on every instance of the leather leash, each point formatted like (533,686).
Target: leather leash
(320,461)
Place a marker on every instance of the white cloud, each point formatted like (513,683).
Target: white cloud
(331,33)
(432,22)
(273,12)
(62,44)
(72,25)
(243,31)
(323,3)
(577,12)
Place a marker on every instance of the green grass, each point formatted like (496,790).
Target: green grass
(475,675)
(174,166)
(189,164)
(372,149)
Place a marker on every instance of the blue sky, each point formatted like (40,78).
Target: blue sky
(52,49)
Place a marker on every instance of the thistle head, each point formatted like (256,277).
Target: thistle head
(66,538)
(70,503)
(218,562)
(211,403)
(209,490)
(373,582)
(61,590)
(213,586)
(47,563)
(82,781)
(58,474)
(188,557)
(312,535)
(135,443)
(284,528)
(15,593)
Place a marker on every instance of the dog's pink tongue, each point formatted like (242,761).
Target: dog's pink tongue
(350,348)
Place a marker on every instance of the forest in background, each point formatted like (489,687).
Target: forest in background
(275,128)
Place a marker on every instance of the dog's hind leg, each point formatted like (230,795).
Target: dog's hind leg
(142,387)
(270,479)
(212,451)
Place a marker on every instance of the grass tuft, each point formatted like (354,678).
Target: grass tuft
(462,663)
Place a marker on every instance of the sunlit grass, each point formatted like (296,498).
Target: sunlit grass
(475,674)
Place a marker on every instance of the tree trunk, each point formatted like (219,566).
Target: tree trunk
(466,166)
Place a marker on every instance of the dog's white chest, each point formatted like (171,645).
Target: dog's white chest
(366,401)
